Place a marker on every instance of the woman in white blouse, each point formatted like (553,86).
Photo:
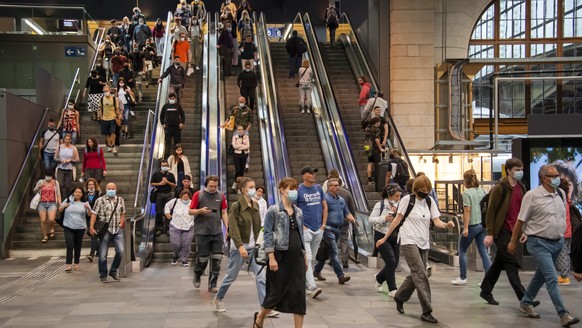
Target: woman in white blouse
(242,146)
(181,226)
(179,165)
(305,76)
(414,237)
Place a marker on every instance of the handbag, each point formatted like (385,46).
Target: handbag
(101,227)
(260,255)
(35,201)
(230,125)
(60,219)
(230,150)
(153,195)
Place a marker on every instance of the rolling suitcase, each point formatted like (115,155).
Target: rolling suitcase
(380,170)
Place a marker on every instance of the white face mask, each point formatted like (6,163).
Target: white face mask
(172,101)
(182,39)
(70,106)
(241,105)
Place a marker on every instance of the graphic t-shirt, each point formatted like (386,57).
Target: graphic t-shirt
(309,201)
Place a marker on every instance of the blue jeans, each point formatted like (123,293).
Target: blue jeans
(477,232)
(545,253)
(331,237)
(104,246)
(235,262)
(48,161)
(294,63)
(115,79)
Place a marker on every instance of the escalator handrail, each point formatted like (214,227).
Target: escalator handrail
(98,42)
(145,251)
(204,155)
(275,156)
(347,168)
(359,53)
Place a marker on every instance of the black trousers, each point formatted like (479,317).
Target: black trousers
(249,94)
(240,161)
(209,250)
(161,199)
(74,242)
(503,261)
(171,132)
(390,252)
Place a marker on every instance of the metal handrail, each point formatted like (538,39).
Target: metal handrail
(205,105)
(347,167)
(221,166)
(142,158)
(365,70)
(28,156)
(99,42)
(275,157)
(145,248)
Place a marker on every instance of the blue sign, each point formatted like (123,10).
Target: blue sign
(75,51)
(275,32)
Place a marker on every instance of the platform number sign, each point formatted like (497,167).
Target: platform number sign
(275,32)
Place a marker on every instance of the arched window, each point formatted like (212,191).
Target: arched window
(529,31)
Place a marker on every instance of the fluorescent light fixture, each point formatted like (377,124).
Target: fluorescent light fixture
(33,26)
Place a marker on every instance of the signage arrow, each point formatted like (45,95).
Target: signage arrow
(70,52)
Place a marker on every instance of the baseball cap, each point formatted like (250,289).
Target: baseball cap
(308,169)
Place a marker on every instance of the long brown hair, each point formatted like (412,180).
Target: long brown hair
(177,158)
(470,179)
(95,144)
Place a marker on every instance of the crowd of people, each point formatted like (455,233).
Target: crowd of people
(311,224)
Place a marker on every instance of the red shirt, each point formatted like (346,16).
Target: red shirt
(194,202)
(514,207)
(117,63)
(94,160)
(364,93)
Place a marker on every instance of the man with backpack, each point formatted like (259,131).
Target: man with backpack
(109,111)
(397,169)
(295,47)
(332,22)
(503,208)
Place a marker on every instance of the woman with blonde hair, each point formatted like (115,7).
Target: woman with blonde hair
(304,84)
(472,227)
(413,236)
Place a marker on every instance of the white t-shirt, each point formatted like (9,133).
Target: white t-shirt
(415,229)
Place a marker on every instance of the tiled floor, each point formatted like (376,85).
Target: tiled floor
(37,293)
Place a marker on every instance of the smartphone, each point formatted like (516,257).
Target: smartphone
(214,210)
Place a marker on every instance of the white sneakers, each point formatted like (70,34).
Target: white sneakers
(459,281)
(392,293)
(313,292)
(377,285)
(219,305)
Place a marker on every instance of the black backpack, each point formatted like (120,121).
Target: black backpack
(301,46)
(332,17)
(409,208)
(401,175)
(484,204)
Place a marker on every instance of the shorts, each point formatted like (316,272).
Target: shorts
(108,127)
(47,206)
(374,157)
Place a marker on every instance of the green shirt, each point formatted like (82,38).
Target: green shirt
(472,197)
(242,116)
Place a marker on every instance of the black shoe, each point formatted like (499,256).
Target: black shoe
(489,298)
(114,276)
(103,279)
(346,265)
(428,318)
(399,305)
(535,303)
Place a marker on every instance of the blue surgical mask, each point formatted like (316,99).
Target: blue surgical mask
(292,195)
(518,175)
(111,192)
(185,201)
(555,182)
(252,192)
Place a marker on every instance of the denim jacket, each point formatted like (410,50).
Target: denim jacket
(276,229)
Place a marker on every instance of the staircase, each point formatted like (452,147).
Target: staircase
(345,88)
(301,135)
(191,103)
(122,169)
(255,171)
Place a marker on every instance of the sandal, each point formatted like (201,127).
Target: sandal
(44,239)
(68,268)
(255,324)
(52,234)
(76,267)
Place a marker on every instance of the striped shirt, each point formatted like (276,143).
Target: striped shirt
(103,209)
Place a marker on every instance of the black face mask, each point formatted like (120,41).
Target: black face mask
(391,156)
(93,74)
(421,194)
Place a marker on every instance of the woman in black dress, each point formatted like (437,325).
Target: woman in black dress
(284,244)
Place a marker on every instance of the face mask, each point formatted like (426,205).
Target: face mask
(70,106)
(518,175)
(51,128)
(393,203)
(229,29)
(121,84)
(292,195)
(176,64)
(555,182)
(241,105)
(421,194)
(247,69)
(91,190)
(165,169)
(185,201)
(252,192)
(136,50)
(111,192)
(172,101)
(48,178)
(159,23)
(112,93)
(391,156)
(182,39)
(136,12)
(94,74)
(241,134)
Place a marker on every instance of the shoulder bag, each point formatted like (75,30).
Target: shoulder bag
(101,227)
(297,84)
